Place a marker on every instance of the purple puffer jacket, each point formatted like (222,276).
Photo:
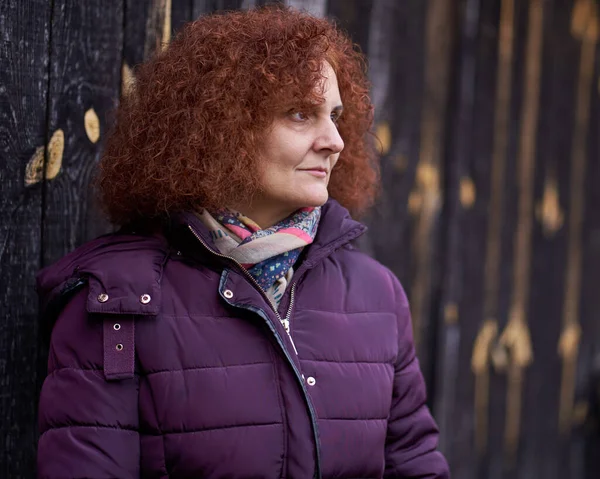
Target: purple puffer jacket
(166,361)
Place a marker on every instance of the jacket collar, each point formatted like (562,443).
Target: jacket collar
(336,228)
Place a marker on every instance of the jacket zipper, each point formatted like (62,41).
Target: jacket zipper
(285,322)
(286,325)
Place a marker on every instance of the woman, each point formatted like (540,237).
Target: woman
(230,329)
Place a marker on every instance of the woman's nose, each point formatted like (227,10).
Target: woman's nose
(329,138)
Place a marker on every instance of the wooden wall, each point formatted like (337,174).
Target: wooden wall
(488,114)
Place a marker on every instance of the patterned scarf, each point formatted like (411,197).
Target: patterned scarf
(269,254)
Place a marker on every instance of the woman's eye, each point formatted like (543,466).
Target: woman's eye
(335,118)
(298,116)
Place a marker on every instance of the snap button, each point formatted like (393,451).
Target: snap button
(116,326)
(311,381)
(228,293)
(145,298)
(103,298)
(119,347)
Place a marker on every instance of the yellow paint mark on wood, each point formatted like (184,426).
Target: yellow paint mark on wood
(499,356)
(451,314)
(384,135)
(428,177)
(415,202)
(158,27)
(92,125)
(569,341)
(483,345)
(127,80)
(56,147)
(467,192)
(568,349)
(34,172)
(548,211)
(580,412)
(517,339)
(585,20)
(166,32)
(480,360)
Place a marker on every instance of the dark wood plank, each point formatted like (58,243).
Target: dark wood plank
(410,94)
(134,35)
(149,27)
(541,448)
(495,463)
(589,377)
(589,388)
(25,27)
(351,16)
(495,140)
(579,359)
(181,13)
(203,7)
(461,394)
(452,389)
(86,53)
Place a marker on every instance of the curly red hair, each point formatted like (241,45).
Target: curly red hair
(189,134)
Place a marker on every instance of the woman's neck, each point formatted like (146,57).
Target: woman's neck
(264,216)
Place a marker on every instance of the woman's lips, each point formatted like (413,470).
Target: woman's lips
(316,172)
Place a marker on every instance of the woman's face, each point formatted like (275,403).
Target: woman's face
(299,153)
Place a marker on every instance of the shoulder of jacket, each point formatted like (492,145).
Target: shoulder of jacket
(373,273)
(122,271)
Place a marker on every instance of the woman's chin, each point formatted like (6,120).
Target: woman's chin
(307,199)
(315,200)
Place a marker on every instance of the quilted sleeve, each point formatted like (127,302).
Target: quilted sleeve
(88,426)
(412,436)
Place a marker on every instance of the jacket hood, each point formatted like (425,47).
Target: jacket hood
(119,283)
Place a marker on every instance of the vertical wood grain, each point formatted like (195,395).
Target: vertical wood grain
(25,28)
(457,147)
(429,181)
(85,73)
